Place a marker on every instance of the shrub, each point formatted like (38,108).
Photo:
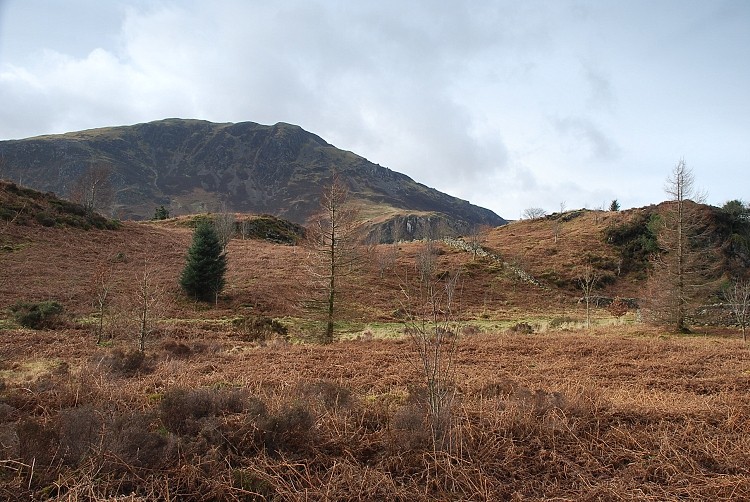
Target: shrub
(37,315)
(177,349)
(288,430)
(78,429)
(181,409)
(260,328)
(133,444)
(330,394)
(38,442)
(45,219)
(522,328)
(129,363)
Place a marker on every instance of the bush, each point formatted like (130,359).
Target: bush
(182,411)
(522,328)
(127,363)
(260,328)
(45,219)
(37,315)
(288,430)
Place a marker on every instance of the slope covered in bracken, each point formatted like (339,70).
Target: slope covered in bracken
(212,411)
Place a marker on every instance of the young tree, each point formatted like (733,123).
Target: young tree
(102,285)
(334,243)
(681,268)
(385,257)
(203,275)
(476,239)
(148,302)
(737,296)
(225,226)
(431,306)
(557,226)
(93,189)
(587,280)
(614,206)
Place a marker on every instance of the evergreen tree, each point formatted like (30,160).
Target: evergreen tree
(161,213)
(203,275)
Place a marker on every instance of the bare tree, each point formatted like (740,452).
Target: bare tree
(102,284)
(431,306)
(93,189)
(224,224)
(385,256)
(681,269)
(533,213)
(557,229)
(587,280)
(334,248)
(147,305)
(737,296)
(245,226)
(476,238)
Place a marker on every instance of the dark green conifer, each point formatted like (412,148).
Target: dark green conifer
(203,275)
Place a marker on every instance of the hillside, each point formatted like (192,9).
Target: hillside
(528,268)
(194,166)
(217,408)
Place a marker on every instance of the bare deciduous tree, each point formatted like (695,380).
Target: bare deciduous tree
(533,213)
(224,224)
(681,269)
(245,226)
(557,229)
(93,189)
(385,256)
(737,296)
(476,238)
(148,304)
(102,282)
(431,307)
(587,280)
(334,244)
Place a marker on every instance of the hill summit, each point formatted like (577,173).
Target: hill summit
(196,166)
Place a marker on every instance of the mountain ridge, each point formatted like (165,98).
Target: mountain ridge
(195,165)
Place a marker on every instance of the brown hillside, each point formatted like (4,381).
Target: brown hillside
(618,412)
(554,248)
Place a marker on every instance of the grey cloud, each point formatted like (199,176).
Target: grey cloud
(587,135)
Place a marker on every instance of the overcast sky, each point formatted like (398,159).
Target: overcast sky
(508,104)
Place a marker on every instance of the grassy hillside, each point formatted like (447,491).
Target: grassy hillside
(230,402)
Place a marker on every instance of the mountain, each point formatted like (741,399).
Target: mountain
(195,166)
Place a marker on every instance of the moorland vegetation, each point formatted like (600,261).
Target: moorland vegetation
(475,368)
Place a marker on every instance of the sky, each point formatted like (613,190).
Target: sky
(508,104)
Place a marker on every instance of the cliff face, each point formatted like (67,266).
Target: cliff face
(192,165)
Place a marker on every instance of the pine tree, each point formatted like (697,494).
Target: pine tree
(203,275)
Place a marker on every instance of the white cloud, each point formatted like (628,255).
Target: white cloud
(508,104)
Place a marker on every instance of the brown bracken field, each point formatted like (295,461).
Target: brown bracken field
(213,411)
